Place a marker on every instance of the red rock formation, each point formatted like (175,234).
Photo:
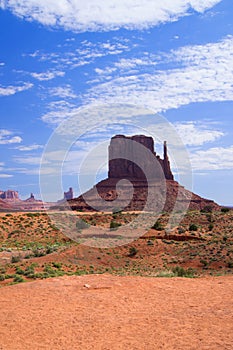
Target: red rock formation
(9,194)
(129,160)
(5,206)
(69,195)
(124,157)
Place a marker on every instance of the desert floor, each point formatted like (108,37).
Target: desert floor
(109,312)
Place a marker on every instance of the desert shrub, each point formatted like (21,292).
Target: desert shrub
(57,265)
(50,249)
(114,225)
(211,226)
(150,243)
(225,210)
(209,217)
(18,279)
(181,272)
(207,209)
(49,270)
(30,271)
(2,277)
(19,271)
(132,251)
(181,230)
(30,215)
(38,253)
(193,227)
(15,259)
(230,264)
(204,262)
(158,226)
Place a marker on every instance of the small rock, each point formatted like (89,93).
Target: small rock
(87,286)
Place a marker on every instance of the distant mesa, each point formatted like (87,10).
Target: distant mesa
(9,195)
(127,161)
(69,195)
(9,200)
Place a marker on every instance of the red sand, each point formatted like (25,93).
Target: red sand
(118,313)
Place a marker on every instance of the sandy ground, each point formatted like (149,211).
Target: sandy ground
(107,312)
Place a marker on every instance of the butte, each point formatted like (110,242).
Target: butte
(136,173)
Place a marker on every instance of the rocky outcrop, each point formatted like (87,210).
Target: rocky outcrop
(69,194)
(138,179)
(9,195)
(129,161)
(4,206)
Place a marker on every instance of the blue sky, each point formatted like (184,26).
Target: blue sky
(61,57)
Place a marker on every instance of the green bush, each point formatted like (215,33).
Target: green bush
(211,226)
(57,265)
(158,226)
(18,279)
(230,264)
(132,251)
(207,209)
(2,277)
(19,271)
(193,227)
(181,272)
(181,230)
(114,225)
(15,259)
(225,210)
(204,263)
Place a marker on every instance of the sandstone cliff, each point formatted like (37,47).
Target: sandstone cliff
(127,187)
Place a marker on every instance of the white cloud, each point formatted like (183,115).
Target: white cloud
(134,63)
(12,90)
(2,64)
(47,75)
(206,74)
(29,160)
(103,15)
(29,148)
(7,137)
(197,133)
(62,92)
(107,70)
(85,53)
(217,158)
(5,176)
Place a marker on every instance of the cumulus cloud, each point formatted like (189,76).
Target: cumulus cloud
(103,15)
(12,90)
(197,133)
(47,75)
(5,176)
(7,137)
(216,158)
(62,92)
(29,148)
(205,74)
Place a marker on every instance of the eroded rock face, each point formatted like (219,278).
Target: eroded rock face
(69,194)
(160,193)
(9,194)
(128,160)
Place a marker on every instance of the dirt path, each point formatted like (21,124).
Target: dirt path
(118,313)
